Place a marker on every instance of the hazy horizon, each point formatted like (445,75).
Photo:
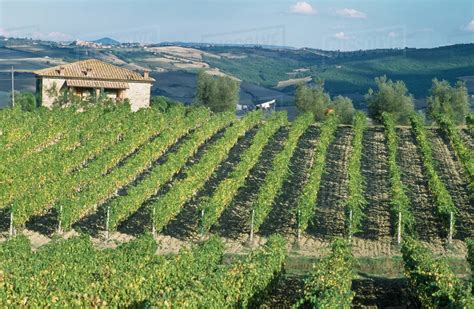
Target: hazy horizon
(329,25)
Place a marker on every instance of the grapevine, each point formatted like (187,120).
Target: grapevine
(168,206)
(356,201)
(400,202)
(431,280)
(227,189)
(273,182)
(444,202)
(329,283)
(123,206)
(307,199)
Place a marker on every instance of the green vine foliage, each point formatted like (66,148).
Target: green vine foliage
(329,283)
(52,148)
(22,134)
(306,203)
(470,257)
(101,189)
(465,155)
(137,131)
(123,206)
(228,188)
(356,201)
(239,285)
(169,205)
(399,200)
(431,281)
(470,121)
(273,182)
(72,273)
(444,202)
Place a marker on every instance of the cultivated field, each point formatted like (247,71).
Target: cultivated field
(186,174)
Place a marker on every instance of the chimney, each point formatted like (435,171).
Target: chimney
(146,73)
(61,71)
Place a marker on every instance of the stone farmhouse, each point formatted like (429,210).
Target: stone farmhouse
(93,77)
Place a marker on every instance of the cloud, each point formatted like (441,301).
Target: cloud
(351,13)
(302,7)
(58,36)
(341,36)
(36,35)
(392,34)
(470,26)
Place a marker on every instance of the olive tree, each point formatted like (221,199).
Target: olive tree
(317,101)
(343,108)
(447,100)
(219,93)
(312,99)
(391,97)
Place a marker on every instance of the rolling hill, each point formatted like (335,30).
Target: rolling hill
(266,73)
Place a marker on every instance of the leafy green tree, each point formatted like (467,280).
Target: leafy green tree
(220,94)
(344,109)
(315,100)
(26,100)
(312,99)
(391,97)
(447,100)
(162,103)
(470,121)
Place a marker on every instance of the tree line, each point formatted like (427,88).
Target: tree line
(389,97)
(221,94)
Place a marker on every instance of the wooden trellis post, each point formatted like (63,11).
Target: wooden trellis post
(12,229)
(350,225)
(251,225)
(399,234)
(202,223)
(299,224)
(107,223)
(153,228)
(60,230)
(451,227)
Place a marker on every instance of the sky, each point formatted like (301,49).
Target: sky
(329,25)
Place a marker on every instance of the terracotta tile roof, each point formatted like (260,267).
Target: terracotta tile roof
(96,84)
(93,69)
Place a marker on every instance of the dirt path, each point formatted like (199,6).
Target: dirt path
(376,223)
(140,221)
(186,224)
(451,172)
(374,292)
(234,222)
(95,222)
(468,138)
(429,227)
(281,218)
(285,292)
(329,220)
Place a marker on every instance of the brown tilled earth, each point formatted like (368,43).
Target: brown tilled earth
(376,238)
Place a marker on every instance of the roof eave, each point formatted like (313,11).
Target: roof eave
(151,80)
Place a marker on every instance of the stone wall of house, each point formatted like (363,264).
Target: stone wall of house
(47,85)
(138,94)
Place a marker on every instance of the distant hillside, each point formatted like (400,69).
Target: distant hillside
(107,41)
(348,73)
(266,73)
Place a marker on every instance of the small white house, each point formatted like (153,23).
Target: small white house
(91,77)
